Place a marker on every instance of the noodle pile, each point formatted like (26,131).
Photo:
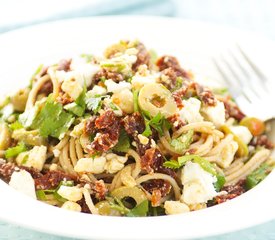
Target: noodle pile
(128,134)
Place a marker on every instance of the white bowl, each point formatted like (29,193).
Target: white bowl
(193,43)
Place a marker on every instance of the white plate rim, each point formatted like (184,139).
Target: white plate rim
(109,228)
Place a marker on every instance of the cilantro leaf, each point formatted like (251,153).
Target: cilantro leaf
(123,144)
(78,107)
(52,120)
(15,151)
(42,194)
(157,122)
(147,132)
(220,182)
(94,103)
(257,176)
(75,109)
(205,165)
(87,57)
(136,106)
(183,142)
(118,205)
(16,125)
(140,210)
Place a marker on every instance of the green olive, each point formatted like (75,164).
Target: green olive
(19,100)
(155,98)
(134,192)
(105,209)
(255,125)
(5,136)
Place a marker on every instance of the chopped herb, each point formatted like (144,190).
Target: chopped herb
(103,79)
(87,57)
(136,107)
(41,195)
(94,103)
(153,56)
(156,211)
(78,107)
(123,144)
(221,91)
(15,151)
(147,132)
(178,85)
(205,165)
(115,66)
(52,120)
(16,125)
(140,210)
(75,109)
(220,182)
(118,205)
(183,142)
(257,176)
(25,159)
(27,118)
(158,122)
(80,101)
(113,106)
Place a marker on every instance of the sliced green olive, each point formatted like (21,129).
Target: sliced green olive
(134,192)
(5,136)
(105,209)
(155,98)
(243,149)
(19,100)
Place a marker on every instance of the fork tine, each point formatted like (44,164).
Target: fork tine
(257,71)
(257,86)
(253,66)
(233,86)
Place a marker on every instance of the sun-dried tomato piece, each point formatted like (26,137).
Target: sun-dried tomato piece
(107,74)
(64,98)
(232,110)
(51,179)
(143,57)
(134,124)
(106,120)
(176,122)
(106,127)
(7,169)
(172,63)
(205,95)
(232,192)
(64,64)
(153,160)
(46,88)
(262,140)
(158,188)
(100,189)
(89,127)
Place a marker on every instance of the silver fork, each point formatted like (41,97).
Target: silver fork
(249,86)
